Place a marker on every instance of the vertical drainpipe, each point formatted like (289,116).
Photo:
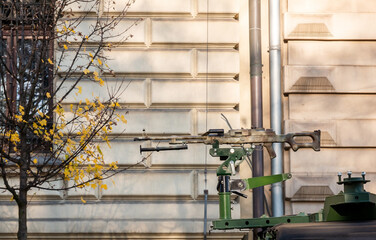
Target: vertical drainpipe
(275,101)
(256,99)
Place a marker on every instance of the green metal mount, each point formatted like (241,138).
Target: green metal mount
(266,180)
(352,204)
(232,157)
(259,222)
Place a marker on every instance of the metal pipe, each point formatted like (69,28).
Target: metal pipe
(275,101)
(256,99)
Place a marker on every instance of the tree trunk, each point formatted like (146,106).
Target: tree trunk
(22,205)
(22,221)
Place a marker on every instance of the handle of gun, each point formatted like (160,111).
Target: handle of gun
(269,147)
(315,144)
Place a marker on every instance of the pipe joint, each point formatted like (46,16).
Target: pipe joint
(275,47)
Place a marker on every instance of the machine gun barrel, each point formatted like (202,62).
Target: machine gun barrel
(245,136)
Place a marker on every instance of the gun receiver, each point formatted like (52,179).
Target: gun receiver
(239,137)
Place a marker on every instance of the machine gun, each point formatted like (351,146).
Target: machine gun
(238,137)
(242,143)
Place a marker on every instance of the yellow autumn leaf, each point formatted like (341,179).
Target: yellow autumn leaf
(86,71)
(104,186)
(65,47)
(50,61)
(122,118)
(82,200)
(35,161)
(99,61)
(43,122)
(99,150)
(79,89)
(48,95)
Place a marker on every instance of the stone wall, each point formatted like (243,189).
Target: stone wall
(329,67)
(181,69)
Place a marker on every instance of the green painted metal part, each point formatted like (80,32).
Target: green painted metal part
(224,205)
(354,203)
(266,180)
(259,222)
(228,155)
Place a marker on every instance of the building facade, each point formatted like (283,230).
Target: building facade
(186,64)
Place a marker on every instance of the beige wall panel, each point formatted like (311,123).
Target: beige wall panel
(34,192)
(133,91)
(299,180)
(150,183)
(150,61)
(325,6)
(358,133)
(218,62)
(308,26)
(129,226)
(343,133)
(323,53)
(182,31)
(307,207)
(65,60)
(119,33)
(82,6)
(194,92)
(123,211)
(130,229)
(130,30)
(328,129)
(215,121)
(116,217)
(334,160)
(219,6)
(150,6)
(85,193)
(125,152)
(156,121)
(328,107)
(329,26)
(339,79)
